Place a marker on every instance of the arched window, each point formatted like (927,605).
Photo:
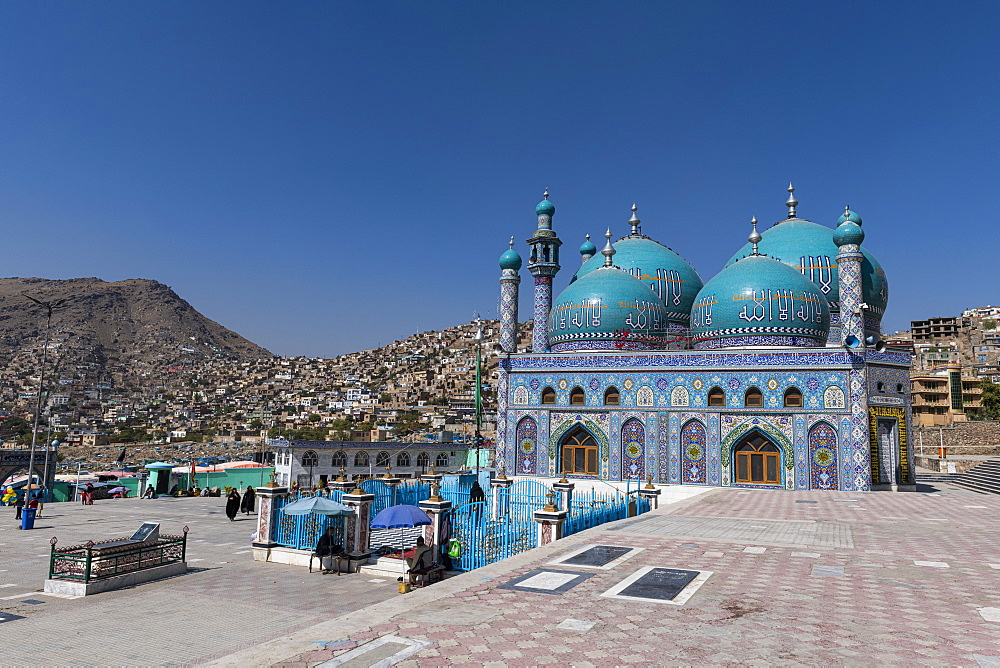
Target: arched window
(716,397)
(442,460)
(880,387)
(423,460)
(577,397)
(579,453)
(403,459)
(758,460)
(793,398)
(611,397)
(548,396)
(361,459)
(340,459)
(753,398)
(382,459)
(310,458)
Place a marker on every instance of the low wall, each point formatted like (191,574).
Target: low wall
(949,465)
(962,438)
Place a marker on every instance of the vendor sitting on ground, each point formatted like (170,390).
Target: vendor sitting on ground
(327,549)
(420,562)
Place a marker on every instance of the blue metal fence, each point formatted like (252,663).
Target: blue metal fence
(303,531)
(591,508)
(486,539)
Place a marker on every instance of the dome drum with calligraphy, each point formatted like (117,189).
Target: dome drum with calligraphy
(759,301)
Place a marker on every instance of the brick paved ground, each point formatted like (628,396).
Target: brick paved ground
(225,603)
(830,582)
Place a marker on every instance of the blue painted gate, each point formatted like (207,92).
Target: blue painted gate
(303,531)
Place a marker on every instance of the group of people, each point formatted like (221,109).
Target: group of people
(10,497)
(236,504)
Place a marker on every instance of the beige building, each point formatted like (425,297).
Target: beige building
(942,398)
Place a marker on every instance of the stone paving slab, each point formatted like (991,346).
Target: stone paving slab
(866,603)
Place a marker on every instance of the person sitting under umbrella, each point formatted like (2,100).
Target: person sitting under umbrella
(420,563)
(326,549)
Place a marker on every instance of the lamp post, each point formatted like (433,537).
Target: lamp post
(478,338)
(49,307)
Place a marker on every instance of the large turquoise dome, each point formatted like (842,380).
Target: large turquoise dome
(669,275)
(809,248)
(607,309)
(759,301)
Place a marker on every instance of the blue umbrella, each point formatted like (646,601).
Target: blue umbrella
(318,505)
(400,517)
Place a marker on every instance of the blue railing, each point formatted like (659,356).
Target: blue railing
(591,508)
(486,539)
(303,531)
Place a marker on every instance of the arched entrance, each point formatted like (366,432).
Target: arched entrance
(579,452)
(757,460)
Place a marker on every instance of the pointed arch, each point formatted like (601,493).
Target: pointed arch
(526,447)
(716,396)
(633,449)
(757,460)
(580,453)
(555,438)
(793,398)
(769,430)
(612,397)
(694,457)
(361,459)
(644,396)
(823,456)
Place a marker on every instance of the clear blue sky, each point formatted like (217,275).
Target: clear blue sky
(324,177)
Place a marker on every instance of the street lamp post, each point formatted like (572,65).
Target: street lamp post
(49,308)
(478,338)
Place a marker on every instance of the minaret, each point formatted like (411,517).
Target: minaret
(587,250)
(543,265)
(510,264)
(848,237)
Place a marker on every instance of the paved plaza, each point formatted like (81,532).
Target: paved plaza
(226,602)
(785,578)
(815,578)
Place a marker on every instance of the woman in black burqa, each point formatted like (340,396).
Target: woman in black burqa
(249,500)
(232,505)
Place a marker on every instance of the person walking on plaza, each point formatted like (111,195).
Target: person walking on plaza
(232,505)
(41,500)
(249,500)
(18,505)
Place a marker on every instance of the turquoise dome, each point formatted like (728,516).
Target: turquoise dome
(849,215)
(848,233)
(510,260)
(759,301)
(588,248)
(607,309)
(809,248)
(669,275)
(545,208)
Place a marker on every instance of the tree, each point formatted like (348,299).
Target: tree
(990,399)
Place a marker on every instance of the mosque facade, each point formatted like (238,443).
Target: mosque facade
(769,375)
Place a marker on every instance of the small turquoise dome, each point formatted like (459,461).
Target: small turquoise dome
(545,207)
(849,216)
(669,275)
(607,309)
(510,260)
(588,248)
(848,233)
(759,301)
(809,248)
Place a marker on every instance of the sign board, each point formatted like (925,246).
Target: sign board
(149,532)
